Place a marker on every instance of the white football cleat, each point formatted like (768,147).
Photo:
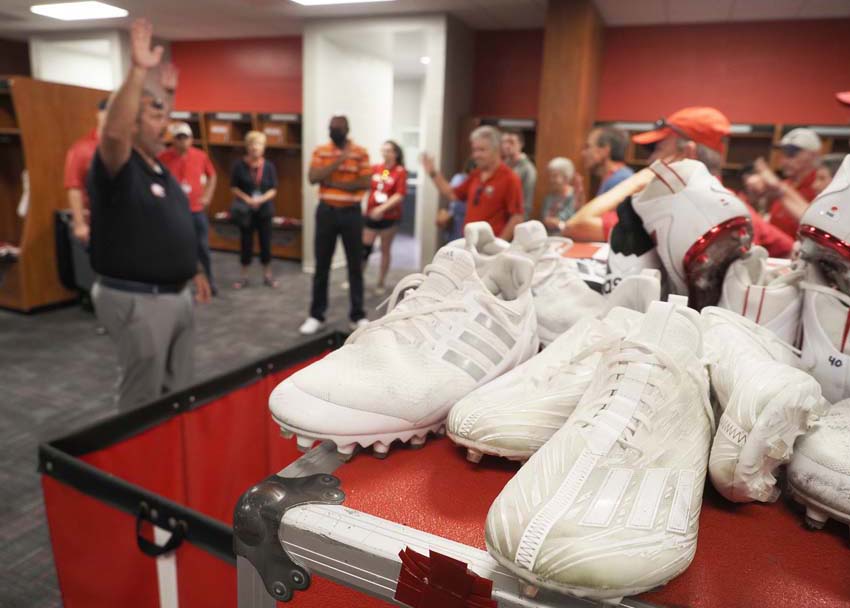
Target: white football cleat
(825,229)
(826,329)
(819,472)
(765,404)
(610,505)
(515,414)
(397,377)
(768,297)
(699,227)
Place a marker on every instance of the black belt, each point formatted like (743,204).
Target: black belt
(340,207)
(138,287)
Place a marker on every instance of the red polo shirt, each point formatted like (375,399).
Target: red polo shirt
(77,163)
(188,169)
(493,201)
(783,220)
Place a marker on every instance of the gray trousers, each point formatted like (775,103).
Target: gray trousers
(155,336)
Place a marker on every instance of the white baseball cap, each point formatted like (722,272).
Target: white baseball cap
(181,128)
(802,138)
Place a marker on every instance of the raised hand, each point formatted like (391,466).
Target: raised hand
(168,77)
(427,162)
(142,54)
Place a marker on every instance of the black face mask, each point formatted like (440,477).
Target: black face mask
(338,136)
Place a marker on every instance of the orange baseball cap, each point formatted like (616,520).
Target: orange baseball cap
(704,125)
(843,97)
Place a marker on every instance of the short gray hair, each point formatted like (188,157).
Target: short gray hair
(562,165)
(711,158)
(487,133)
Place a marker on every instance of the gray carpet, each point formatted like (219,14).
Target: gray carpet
(57,374)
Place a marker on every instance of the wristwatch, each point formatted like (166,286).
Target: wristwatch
(561,225)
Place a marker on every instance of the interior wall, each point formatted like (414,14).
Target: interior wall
(407,116)
(253,75)
(762,72)
(781,71)
(97,60)
(506,76)
(14,58)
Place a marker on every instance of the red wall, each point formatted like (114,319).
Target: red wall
(781,71)
(506,77)
(249,75)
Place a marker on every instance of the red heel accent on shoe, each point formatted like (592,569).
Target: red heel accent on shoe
(707,261)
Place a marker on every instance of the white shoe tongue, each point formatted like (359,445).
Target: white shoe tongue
(530,236)
(455,262)
(833,318)
(675,331)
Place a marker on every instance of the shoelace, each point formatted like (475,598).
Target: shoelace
(570,365)
(632,352)
(550,264)
(418,305)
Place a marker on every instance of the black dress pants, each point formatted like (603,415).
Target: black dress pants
(262,225)
(331,222)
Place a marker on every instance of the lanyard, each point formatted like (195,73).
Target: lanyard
(257,173)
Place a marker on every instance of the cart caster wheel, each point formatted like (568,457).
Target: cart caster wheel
(441,432)
(529,591)
(417,442)
(815,519)
(379,450)
(473,455)
(345,452)
(286,434)
(304,443)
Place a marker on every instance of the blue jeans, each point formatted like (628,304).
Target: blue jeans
(202,229)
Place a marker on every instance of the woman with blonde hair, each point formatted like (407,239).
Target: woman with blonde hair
(254,186)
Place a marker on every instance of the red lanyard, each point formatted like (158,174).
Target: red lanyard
(258,176)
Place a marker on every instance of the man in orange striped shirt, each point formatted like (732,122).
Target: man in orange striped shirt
(341,168)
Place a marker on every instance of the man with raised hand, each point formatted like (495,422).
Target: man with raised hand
(143,243)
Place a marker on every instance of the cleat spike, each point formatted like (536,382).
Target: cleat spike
(441,432)
(346,452)
(529,591)
(473,455)
(379,449)
(417,442)
(815,519)
(286,434)
(304,443)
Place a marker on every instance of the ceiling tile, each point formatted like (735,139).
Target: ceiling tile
(819,9)
(757,10)
(699,11)
(635,12)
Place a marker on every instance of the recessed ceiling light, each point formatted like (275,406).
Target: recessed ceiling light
(425,60)
(78,11)
(325,2)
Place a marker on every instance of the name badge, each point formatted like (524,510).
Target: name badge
(157,190)
(380,197)
(256,194)
(187,188)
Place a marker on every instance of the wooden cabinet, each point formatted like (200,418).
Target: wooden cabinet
(224,140)
(38,123)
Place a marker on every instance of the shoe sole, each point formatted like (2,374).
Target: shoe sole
(817,513)
(348,445)
(475,450)
(707,261)
(613,596)
(775,442)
